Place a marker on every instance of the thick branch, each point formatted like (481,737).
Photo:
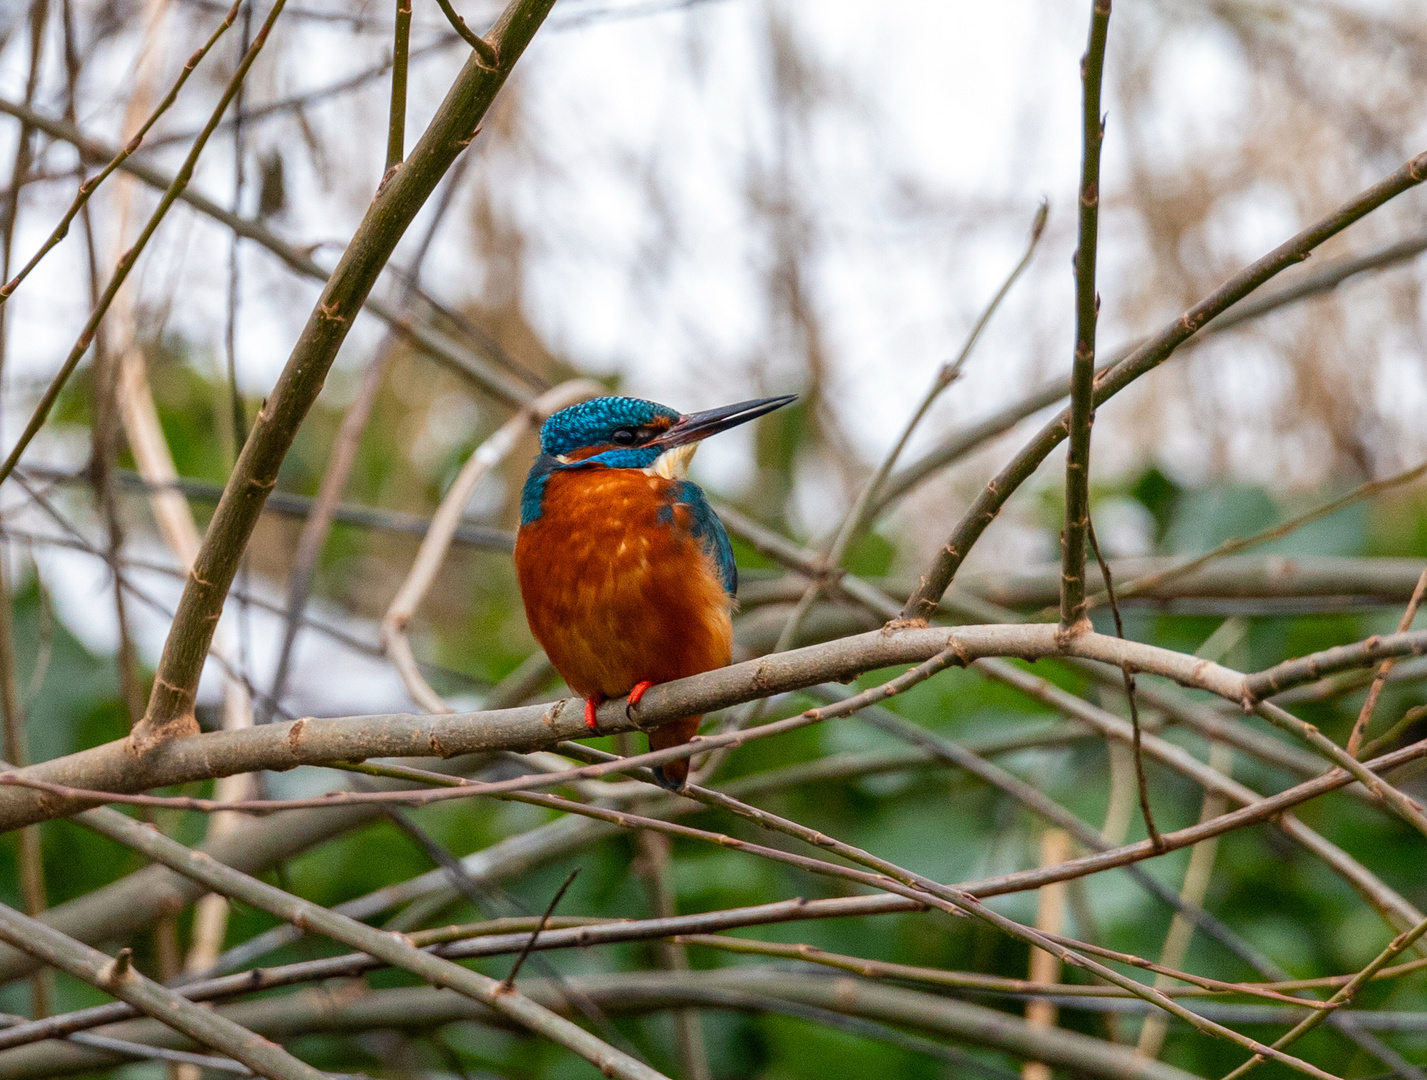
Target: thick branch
(318,741)
(117,977)
(403,192)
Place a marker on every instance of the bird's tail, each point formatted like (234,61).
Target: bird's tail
(672,775)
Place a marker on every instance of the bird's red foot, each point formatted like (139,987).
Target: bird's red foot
(635,696)
(591,704)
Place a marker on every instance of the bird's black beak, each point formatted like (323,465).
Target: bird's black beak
(693,427)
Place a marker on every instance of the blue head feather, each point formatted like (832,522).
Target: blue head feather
(594,422)
(588,424)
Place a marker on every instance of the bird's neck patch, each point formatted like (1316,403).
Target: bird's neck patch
(673,464)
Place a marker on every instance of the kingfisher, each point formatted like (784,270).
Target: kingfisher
(626,572)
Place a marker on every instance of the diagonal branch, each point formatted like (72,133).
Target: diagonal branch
(117,977)
(1360,726)
(131,256)
(87,188)
(1328,277)
(401,196)
(1143,359)
(431,342)
(389,947)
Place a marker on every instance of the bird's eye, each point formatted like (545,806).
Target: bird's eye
(623,436)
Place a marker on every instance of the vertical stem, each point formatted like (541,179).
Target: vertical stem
(400,48)
(1087,303)
(104,432)
(32,873)
(1128,675)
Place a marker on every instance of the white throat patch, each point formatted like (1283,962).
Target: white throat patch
(673,464)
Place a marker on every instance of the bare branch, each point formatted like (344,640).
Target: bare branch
(112,768)
(170,711)
(1360,726)
(389,947)
(1145,358)
(118,977)
(1087,310)
(131,256)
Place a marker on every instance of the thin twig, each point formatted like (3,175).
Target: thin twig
(1410,717)
(1360,726)
(130,257)
(949,372)
(1406,807)
(1129,676)
(1087,309)
(1157,349)
(288,504)
(88,187)
(488,54)
(508,983)
(1342,997)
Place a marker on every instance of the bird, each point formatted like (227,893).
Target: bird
(626,573)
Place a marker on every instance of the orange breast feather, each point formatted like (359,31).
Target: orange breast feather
(617,590)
